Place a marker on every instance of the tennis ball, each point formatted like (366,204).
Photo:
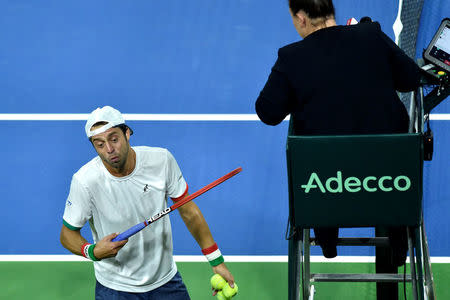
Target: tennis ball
(220,296)
(228,291)
(217,282)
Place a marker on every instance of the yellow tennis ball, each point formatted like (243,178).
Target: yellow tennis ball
(220,296)
(217,282)
(228,291)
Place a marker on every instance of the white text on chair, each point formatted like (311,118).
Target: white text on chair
(353,184)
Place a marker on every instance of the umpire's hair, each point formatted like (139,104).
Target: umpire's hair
(313,8)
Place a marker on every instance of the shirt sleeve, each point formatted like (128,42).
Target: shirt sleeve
(176,185)
(405,72)
(78,208)
(273,103)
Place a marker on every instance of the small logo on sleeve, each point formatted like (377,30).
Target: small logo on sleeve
(145,188)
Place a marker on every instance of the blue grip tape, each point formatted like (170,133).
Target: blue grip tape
(129,232)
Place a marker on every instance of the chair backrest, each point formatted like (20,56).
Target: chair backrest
(355,180)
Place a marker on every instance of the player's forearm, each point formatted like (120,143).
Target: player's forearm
(72,240)
(196,224)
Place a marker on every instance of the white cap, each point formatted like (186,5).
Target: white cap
(107,114)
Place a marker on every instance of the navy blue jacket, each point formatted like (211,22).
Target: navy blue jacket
(340,80)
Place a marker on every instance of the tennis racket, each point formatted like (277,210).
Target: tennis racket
(138,227)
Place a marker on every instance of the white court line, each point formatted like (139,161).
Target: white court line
(133,117)
(158,117)
(398,26)
(440,117)
(201,258)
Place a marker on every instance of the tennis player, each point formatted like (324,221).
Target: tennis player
(119,188)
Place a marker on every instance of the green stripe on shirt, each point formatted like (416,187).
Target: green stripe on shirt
(70,226)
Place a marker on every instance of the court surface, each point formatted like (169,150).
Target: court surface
(257,281)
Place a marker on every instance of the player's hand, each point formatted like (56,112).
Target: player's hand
(223,271)
(105,248)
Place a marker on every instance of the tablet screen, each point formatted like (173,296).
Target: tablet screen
(438,52)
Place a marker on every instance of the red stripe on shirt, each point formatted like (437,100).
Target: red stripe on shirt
(182,196)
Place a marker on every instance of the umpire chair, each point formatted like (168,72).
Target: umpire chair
(357,181)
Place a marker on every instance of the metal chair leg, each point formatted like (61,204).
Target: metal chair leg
(412,263)
(429,285)
(294,265)
(307,264)
(419,257)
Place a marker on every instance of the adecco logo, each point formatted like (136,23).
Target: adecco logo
(370,184)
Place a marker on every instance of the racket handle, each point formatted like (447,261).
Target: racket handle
(129,232)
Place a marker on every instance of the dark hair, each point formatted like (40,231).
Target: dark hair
(313,8)
(124,128)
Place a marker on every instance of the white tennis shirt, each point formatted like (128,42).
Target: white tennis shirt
(113,204)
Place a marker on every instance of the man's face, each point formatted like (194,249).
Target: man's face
(112,146)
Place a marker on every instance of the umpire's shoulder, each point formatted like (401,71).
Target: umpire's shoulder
(290,50)
(368,27)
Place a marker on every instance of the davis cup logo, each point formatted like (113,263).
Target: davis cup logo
(352,184)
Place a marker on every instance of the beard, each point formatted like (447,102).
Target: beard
(119,164)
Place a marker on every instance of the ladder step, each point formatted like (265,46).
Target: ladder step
(380,277)
(377,241)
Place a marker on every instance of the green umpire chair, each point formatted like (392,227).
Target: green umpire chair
(356,181)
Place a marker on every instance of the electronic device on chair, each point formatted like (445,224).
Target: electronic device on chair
(437,73)
(437,55)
